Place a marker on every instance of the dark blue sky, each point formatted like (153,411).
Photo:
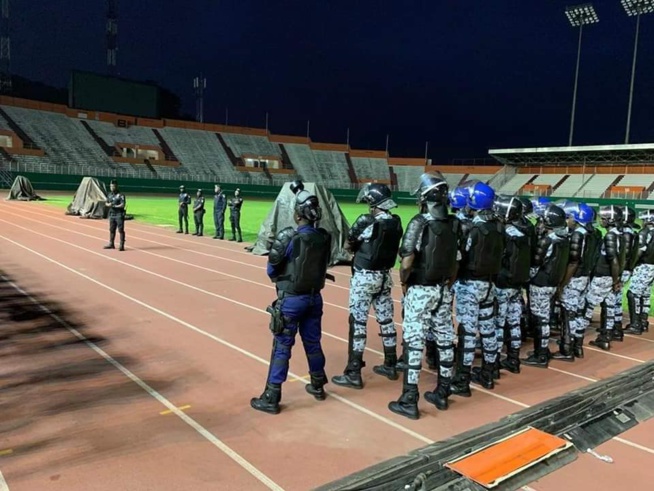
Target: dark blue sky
(466,75)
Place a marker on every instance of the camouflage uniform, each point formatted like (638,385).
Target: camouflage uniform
(372,288)
(572,300)
(474,311)
(599,290)
(509,311)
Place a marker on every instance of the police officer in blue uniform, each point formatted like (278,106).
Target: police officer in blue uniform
(198,213)
(184,200)
(297,264)
(116,203)
(219,205)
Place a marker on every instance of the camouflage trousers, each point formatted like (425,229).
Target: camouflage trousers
(616,302)
(509,311)
(641,285)
(428,309)
(600,290)
(475,312)
(372,288)
(540,303)
(573,300)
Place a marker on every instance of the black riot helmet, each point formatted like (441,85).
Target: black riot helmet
(629,215)
(297,186)
(376,196)
(647,216)
(307,206)
(507,208)
(554,217)
(527,205)
(610,215)
(432,189)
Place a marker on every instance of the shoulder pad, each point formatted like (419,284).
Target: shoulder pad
(412,235)
(611,246)
(280,244)
(361,223)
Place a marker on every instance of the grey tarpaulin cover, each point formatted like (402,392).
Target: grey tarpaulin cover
(22,190)
(281,216)
(89,200)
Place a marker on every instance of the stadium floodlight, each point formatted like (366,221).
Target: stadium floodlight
(579,16)
(635,8)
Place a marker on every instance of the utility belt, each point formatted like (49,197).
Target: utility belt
(440,282)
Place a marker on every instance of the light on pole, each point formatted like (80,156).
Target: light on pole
(579,16)
(635,8)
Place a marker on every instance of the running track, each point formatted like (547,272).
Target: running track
(191,311)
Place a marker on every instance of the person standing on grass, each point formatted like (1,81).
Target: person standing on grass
(184,200)
(198,213)
(297,264)
(235,205)
(219,212)
(116,204)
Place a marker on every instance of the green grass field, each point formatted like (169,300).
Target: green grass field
(163,211)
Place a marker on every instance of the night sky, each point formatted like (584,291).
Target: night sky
(465,75)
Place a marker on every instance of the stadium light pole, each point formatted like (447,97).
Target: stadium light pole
(635,8)
(579,16)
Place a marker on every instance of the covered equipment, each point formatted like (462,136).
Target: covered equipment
(22,190)
(89,200)
(281,216)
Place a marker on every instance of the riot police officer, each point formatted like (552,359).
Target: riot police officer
(297,264)
(116,203)
(374,238)
(549,265)
(630,238)
(640,289)
(513,276)
(429,252)
(584,251)
(198,213)
(219,212)
(606,275)
(235,205)
(183,201)
(475,291)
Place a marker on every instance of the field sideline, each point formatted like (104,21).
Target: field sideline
(162,211)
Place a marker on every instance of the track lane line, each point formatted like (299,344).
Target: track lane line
(339,398)
(201,430)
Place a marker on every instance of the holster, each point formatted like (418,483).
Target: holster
(276,318)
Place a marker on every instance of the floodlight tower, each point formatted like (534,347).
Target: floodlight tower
(5,49)
(579,16)
(199,84)
(112,35)
(637,8)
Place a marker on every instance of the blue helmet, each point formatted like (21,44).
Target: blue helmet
(458,198)
(580,212)
(540,204)
(481,197)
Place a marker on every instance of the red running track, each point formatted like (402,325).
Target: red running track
(190,311)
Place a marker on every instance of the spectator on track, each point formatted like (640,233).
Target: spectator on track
(116,204)
(235,205)
(184,200)
(198,213)
(219,212)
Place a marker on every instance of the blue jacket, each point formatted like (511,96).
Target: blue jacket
(219,203)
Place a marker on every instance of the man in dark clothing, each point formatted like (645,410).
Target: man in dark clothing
(116,204)
(184,200)
(219,212)
(198,213)
(297,264)
(235,215)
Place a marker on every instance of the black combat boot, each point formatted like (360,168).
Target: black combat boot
(634,326)
(407,404)
(602,316)
(602,341)
(483,375)
(316,386)
(122,246)
(389,368)
(268,402)
(512,360)
(565,343)
(644,320)
(541,356)
(431,354)
(461,382)
(439,396)
(618,333)
(109,246)
(578,347)
(352,374)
